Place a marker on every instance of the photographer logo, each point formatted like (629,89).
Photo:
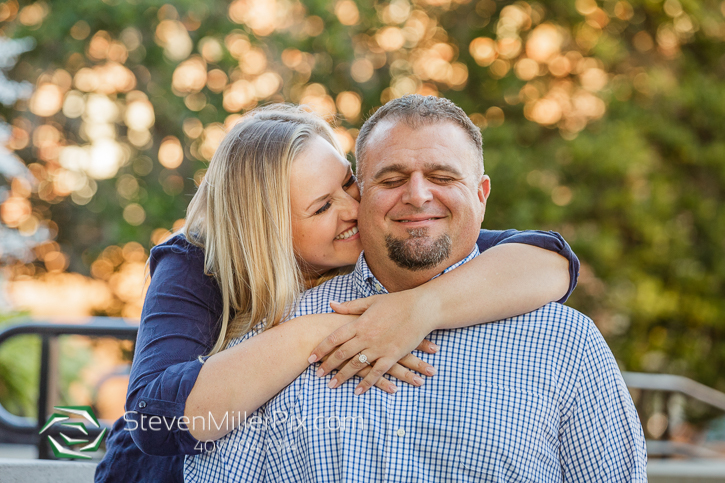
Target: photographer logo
(63,444)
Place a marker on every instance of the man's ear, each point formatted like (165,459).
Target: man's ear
(484,189)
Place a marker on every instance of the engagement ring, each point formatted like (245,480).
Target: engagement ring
(363,358)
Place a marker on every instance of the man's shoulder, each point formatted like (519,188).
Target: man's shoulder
(317,299)
(554,325)
(554,313)
(539,351)
(556,317)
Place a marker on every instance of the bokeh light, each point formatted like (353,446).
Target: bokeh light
(171,154)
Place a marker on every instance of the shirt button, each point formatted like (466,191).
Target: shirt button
(142,404)
(400,432)
(378,287)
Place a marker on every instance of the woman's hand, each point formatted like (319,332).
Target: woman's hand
(398,371)
(390,327)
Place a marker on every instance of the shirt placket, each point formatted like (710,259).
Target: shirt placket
(399,433)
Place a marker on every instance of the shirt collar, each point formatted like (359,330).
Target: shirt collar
(367,284)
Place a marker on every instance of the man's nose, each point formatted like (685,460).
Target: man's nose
(417,192)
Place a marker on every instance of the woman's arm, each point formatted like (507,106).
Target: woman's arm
(502,282)
(507,279)
(169,382)
(240,379)
(178,324)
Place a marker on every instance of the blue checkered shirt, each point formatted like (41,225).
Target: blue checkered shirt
(537,397)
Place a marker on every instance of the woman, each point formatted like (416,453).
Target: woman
(276,213)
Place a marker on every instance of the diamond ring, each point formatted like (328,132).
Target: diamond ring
(363,358)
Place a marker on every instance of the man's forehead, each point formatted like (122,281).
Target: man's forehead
(395,145)
(387,129)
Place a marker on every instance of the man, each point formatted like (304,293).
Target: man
(534,398)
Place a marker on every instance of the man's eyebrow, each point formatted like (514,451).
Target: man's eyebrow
(392,168)
(443,167)
(400,168)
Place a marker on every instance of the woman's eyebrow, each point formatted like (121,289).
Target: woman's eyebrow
(317,200)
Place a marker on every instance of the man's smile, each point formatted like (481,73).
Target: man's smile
(414,220)
(417,221)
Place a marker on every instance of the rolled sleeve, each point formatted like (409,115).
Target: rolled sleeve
(601,435)
(178,326)
(548,240)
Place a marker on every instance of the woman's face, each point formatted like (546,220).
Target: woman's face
(325,200)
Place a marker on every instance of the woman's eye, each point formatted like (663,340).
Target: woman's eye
(349,183)
(353,191)
(324,208)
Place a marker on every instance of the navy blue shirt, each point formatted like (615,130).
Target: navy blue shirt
(179,324)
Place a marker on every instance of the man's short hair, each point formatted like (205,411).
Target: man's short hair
(416,111)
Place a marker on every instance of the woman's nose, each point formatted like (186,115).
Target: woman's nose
(350,209)
(417,192)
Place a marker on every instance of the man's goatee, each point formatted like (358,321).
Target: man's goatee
(419,252)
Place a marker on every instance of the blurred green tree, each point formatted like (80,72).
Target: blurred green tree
(602,120)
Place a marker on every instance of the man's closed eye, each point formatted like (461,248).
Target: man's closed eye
(392,183)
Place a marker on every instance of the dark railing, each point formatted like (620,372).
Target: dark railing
(26,430)
(17,429)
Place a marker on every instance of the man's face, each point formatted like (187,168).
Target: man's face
(423,201)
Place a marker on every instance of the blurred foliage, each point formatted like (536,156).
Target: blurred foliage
(602,120)
(20,370)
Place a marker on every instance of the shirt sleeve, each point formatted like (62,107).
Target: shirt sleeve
(601,437)
(548,240)
(178,324)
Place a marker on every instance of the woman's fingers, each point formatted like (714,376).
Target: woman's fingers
(382,383)
(397,371)
(414,363)
(354,366)
(372,375)
(349,350)
(401,370)
(427,346)
(353,307)
(367,371)
(337,338)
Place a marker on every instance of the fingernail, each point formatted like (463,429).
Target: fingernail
(320,372)
(393,389)
(431,371)
(418,381)
(433,347)
(332,383)
(312,359)
(358,391)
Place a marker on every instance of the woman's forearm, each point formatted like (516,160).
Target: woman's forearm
(504,281)
(240,379)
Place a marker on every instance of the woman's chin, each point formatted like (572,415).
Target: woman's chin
(350,251)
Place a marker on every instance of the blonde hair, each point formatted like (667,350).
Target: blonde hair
(241,217)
